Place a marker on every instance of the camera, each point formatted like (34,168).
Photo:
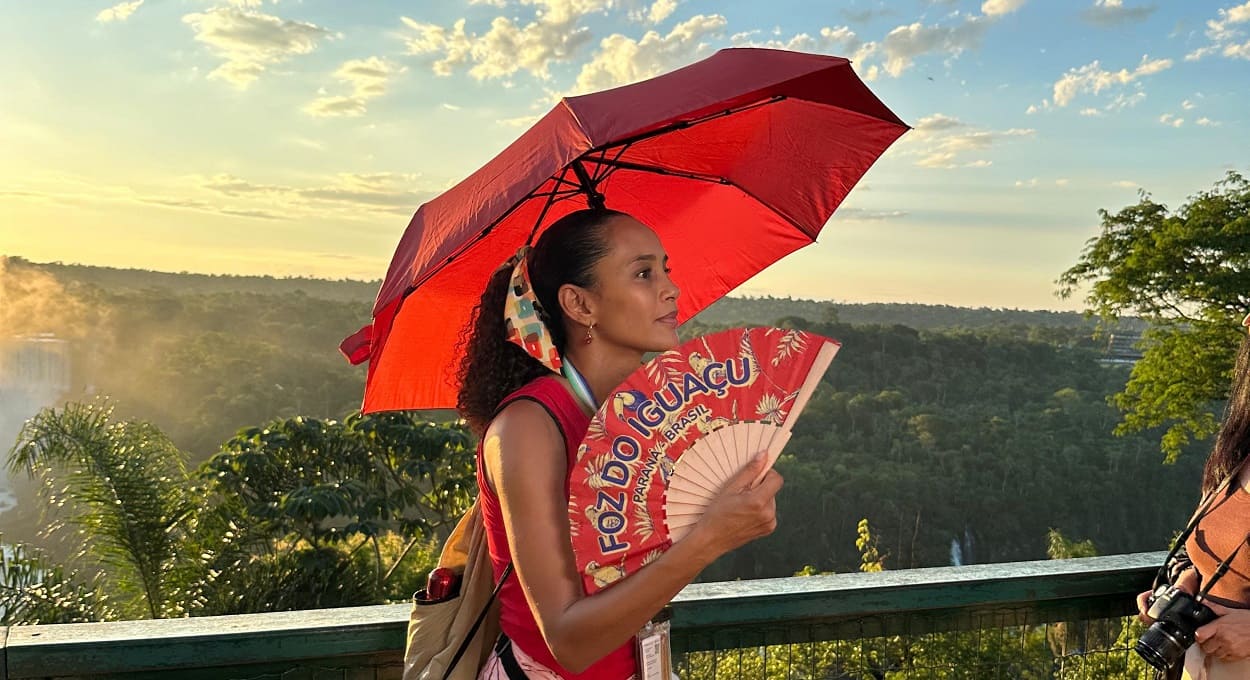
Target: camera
(1178,615)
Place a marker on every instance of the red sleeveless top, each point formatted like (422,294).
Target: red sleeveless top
(516,619)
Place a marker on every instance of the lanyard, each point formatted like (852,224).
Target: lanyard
(580,388)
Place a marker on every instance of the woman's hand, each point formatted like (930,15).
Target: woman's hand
(1228,637)
(1186,581)
(741,513)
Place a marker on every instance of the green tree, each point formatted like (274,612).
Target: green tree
(119,487)
(1186,272)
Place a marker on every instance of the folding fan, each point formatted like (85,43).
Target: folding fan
(664,443)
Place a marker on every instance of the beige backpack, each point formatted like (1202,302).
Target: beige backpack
(452,639)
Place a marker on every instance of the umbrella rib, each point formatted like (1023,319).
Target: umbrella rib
(655,169)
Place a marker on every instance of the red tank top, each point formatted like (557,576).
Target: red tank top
(515,618)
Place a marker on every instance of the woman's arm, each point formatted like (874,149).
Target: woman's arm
(525,458)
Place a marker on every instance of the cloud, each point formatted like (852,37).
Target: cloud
(555,35)
(1224,31)
(840,41)
(1093,79)
(905,43)
(1173,121)
(368,78)
(621,59)
(1114,13)
(1026,184)
(1187,105)
(993,8)
(1125,184)
(865,15)
(863,215)
(1237,51)
(119,12)
(386,192)
(251,41)
(1207,122)
(944,142)
(518,122)
(657,12)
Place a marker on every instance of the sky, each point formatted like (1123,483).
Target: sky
(297,137)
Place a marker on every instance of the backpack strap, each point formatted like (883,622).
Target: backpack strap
(464,644)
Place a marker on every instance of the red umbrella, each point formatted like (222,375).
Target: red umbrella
(735,161)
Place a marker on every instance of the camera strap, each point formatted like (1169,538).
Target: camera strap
(1204,508)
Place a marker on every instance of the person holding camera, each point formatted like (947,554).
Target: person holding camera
(1204,617)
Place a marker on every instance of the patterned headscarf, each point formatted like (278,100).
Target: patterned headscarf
(522,310)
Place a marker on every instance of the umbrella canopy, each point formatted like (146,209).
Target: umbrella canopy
(734,161)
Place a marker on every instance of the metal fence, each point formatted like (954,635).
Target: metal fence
(1048,619)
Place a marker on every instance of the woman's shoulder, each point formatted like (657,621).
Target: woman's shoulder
(527,413)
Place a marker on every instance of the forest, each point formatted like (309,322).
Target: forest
(208,457)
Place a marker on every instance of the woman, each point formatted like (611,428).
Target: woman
(583,307)
(1225,642)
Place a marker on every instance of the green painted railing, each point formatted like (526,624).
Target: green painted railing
(834,626)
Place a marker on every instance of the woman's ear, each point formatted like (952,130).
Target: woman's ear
(577,303)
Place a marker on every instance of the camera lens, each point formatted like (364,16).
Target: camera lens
(1160,647)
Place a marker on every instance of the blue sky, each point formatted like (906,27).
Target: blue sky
(297,137)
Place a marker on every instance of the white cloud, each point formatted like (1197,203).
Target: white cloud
(1237,51)
(991,8)
(518,122)
(368,78)
(1125,184)
(1093,79)
(251,41)
(661,10)
(1201,52)
(840,40)
(492,3)
(905,43)
(555,35)
(621,60)
(1224,32)
(1090,111)
(1061,182)
(1187,105)
(348,193)
(450,107)
(945,142)
(1026,184)
(1114,13)
(1172,120)
(1207,122)
(863,215)
(119,12)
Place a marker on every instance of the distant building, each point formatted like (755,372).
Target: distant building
(1122,349)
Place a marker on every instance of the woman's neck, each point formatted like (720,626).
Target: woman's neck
(603,368)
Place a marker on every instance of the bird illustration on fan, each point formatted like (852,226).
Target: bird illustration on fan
(670,435)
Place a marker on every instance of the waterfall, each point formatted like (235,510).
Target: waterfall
(957,553)
(34,373)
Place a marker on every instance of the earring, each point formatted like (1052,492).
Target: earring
(589,337)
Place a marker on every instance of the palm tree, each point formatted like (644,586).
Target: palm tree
(121,489)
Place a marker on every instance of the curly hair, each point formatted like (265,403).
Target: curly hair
(492,368)
(1233,442)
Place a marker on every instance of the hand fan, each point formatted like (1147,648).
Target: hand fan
(664,443)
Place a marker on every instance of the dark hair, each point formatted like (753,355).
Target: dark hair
(492,368)
(1233,442)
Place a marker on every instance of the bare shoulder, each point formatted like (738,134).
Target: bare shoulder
(524,420)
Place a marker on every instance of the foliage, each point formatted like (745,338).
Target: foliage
(34,590)
(120,488)
(1187,272)
(301,513)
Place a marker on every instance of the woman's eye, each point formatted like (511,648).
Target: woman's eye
(644,274)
